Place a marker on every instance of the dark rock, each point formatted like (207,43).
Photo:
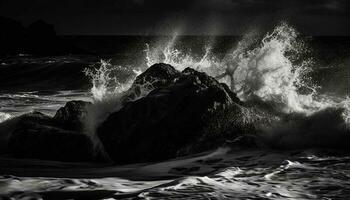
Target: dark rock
(231,94)
(38,38)
(41,37)
(157,76)
(70,116)
(35,135)
(38,141)
(7,127)
(41,29)
(172,120)
(36,117)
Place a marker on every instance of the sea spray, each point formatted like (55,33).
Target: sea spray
(169,54)
(268,73)
(4,116)
(273,69)
(108,92)
(256,68)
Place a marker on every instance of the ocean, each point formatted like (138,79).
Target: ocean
(294,73)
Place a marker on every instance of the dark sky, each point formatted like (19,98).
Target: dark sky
(224,17)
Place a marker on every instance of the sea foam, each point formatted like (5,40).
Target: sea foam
(4,116)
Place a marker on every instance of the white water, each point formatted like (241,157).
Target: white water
(4,116)
(260,176)
(265,70)
(241,175)
(104,82)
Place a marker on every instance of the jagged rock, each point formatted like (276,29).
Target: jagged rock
(7,127)
(33,140)
(35,135)
(158,75)
(71,114)
(172,120)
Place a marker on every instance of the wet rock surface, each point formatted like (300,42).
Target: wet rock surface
(70,116)
(184,113)
(176,118)
(36,135)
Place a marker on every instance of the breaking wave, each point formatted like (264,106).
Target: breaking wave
(110,84)
(270,69)
(265,69)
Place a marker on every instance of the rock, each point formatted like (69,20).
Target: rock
(7,127)
(38,38)
(36,117)
(172,120)
(231,94)
(156,76)
(70,116)
(50,143)
(35,135)
(40,28)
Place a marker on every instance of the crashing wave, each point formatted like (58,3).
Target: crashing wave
(258,70)
(108,90)
(263,69)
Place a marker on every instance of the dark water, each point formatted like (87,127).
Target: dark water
(33,83)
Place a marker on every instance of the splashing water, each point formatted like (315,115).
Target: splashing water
(263,70)
(4,116)
(105,82)
(107,91)
(268,73)
(181,60)
(254,69)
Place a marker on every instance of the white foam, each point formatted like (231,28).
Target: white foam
(4,116)
(262,70)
